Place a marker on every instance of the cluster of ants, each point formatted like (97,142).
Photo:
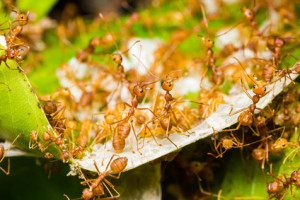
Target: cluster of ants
(108,103)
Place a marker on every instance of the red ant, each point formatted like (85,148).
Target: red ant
(247,114)
(96,188)
(119,75)
(228,142)
(123,126)
(275,188)
(3,154)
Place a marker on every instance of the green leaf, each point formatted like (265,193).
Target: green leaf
(20,111)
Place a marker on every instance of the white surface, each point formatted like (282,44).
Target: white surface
(218,120)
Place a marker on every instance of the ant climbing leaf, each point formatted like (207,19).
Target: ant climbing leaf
(20,111)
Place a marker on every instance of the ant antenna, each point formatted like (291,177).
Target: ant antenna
(230,29)
(132,46)
(145,67)
(137,71)
(102,17)
(252,79)
(204,16)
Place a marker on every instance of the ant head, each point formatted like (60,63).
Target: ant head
(117,58)
(33,135)
(87,194)
(295,176)
(50,107)
(249,14)
(138,90)
(208,42)
(11,54)
(279,42)
(259,88)
(227,143)
(167,85)
(22,18)
(96,41)
(281,143)
(196,166)
(65,92)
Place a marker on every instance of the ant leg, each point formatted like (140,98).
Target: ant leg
(236,112)
(143,142)
(209,193)
(126,104)
(111,195)
(110,161)
(216,146)
(112,186)
(172,142)
(9,67)
(95,164)
(6,85)
(255,133)
(113,93)
(122,120)
(116,177)
(147,109)
(10,146)
(8,168)
(202,77)
(288,54)
(294,151)
(137,141)
(284,194)
(247,93)
(153,136)
(67,197)
(85,180)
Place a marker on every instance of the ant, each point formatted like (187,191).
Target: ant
(83,55)
(84,134)
(228,142)
(275,188)
(34,138)
(119,74)
(168,110)
(286,73)
(3,154)
(11,37)
(96,188)
(123,126)
(247,115)
(51,110)
(11,54)
(217,72)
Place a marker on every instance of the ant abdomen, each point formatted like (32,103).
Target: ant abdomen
(118,143)
(118,164)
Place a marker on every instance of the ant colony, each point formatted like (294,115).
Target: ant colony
(125,100)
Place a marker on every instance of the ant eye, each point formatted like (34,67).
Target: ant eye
(283,145)
(141,90)
(170,84)
(254,86)
(265,89)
